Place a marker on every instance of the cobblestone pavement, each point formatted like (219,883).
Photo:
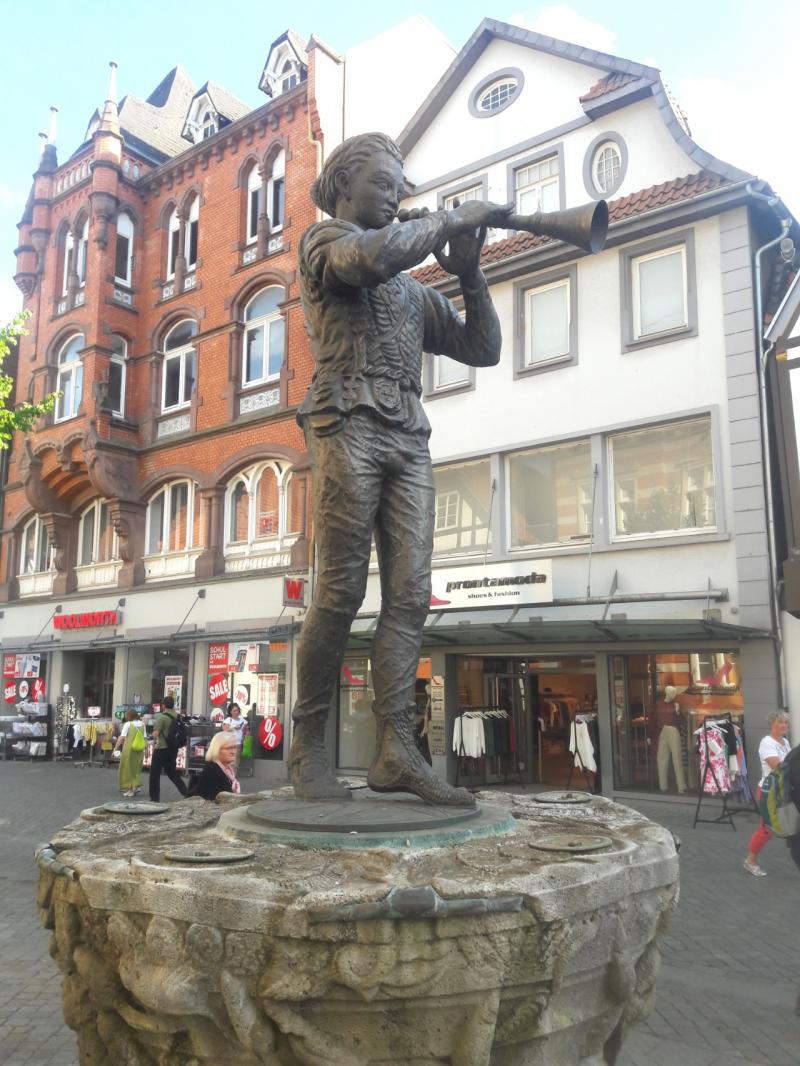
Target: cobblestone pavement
(728,984)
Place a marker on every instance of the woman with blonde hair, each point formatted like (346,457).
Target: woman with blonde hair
(218,774)
(132,741)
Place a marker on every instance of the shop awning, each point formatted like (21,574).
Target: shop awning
(463,628)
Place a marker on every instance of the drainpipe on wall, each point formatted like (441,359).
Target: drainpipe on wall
(777,207)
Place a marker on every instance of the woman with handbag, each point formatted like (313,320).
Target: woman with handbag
(132,741)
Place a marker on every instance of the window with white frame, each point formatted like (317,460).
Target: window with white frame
(463,504)
(253,203)
(69,244)
(549,494)
(192,233)
(263,504)
(536,186)
(606,166)
(170,519)
(264,337)
(173,242)
(663,479)
(659,292)
(289,76)
(179,366)
(81,252)
(496,92)
(36,554)
(547,311)
(97,541)
(208,125)
(449,373)
(123,255)
(116,374)
(190,238)
(69,378)
(474,192)
(276,192)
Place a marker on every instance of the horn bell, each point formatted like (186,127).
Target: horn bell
(586,226)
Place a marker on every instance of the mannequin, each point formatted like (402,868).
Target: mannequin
(662,728)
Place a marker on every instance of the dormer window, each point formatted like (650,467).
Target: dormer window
(289,76)
(208,126)
(286,65)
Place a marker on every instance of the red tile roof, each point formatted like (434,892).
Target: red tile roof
(608,84)
(636,203)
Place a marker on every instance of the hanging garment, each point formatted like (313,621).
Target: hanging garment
(580,744)
(714,772)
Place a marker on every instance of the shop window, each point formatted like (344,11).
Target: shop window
(550,493)
(356,720)
(537,185)
(463,503)
(179,366)
(170,519)
(123,255)
(117,366)
(154,672)
(264,337)
(69,378)
(97,541)
(36,555)
(658,281)
(663,479)
(659,701)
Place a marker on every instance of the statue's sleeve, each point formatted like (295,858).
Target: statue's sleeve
(340,255)
(476,339)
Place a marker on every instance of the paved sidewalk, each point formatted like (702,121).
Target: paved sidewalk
(726,995)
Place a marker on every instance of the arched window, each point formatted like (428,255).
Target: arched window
(179,366)
(254,207)
(263,507)
(276,192)
(192,225)
(173,242)
(69,380)
(123,257)
(66,263)
(36,555)
(97,541)
(81,253)
(170,519)
(264,337)
(116,374)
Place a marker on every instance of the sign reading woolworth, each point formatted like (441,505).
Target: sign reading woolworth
(513,584)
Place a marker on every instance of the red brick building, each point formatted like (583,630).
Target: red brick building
(158,263)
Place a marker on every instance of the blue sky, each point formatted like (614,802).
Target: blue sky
(729,63)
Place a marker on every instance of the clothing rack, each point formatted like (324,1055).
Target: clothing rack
(726,815)
(592,786)
(461,754)
(88,763)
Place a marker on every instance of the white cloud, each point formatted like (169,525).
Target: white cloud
(743,123)
(10,299)
(562,22)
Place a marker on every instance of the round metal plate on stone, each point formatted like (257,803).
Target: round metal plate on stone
(361,816)
(572,843)
(562,797)
(212,854)
(121,807)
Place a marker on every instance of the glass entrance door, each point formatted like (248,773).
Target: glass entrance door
(507,692)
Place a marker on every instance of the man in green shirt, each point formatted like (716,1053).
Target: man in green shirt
(164,756)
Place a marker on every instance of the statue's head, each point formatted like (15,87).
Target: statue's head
(362,181)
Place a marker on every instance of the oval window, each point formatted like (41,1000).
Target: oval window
(497,95)
(606,167)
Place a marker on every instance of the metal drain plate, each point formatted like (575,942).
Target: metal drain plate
(210,854)
(562,797)
(572,843)
(121,807)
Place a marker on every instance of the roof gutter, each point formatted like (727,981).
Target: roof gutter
(782,213)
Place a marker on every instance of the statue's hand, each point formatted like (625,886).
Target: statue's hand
(475,214)
(464,255)
(409,214)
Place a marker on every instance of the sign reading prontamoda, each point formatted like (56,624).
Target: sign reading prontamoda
(514,584)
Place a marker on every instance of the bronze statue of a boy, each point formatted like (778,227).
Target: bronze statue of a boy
(367,435)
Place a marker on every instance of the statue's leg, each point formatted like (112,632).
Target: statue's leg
(404,539)
(346,494)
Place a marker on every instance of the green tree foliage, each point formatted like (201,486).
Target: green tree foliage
(24,415)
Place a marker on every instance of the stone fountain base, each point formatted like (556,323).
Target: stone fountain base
(206,934)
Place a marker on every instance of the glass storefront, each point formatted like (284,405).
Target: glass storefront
(659,702)
(252,674)
(156,672)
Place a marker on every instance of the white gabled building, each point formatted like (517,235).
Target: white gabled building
(616,451)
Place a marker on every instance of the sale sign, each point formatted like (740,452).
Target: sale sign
(218,690)
(217,657)
(270,733)
(10,691)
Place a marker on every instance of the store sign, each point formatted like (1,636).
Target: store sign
(513,584)
(94,712)
(38,690)
(218,689)
(217,657)
(87,619)
(10,691)
(241,695)
(294,592)
(270,733)
(243,658)
(173,686)
(267,694)
(9,666)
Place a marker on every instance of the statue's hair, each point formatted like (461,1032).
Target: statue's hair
(349,156)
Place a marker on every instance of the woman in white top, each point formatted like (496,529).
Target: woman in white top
(772,750)
(235,723)
(130,763)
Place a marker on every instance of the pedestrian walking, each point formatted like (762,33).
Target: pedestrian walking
(218,775)
(165,752)
(236,724)
(132,742)
(772,750)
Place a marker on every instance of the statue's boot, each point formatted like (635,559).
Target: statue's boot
(309,769)
(399,767)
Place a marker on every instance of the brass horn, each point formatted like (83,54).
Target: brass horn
(585,227)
